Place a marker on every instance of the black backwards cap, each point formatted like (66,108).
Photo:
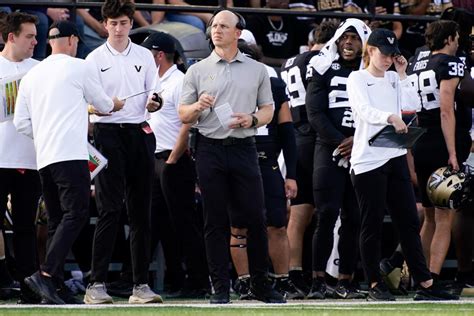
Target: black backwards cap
(65,28)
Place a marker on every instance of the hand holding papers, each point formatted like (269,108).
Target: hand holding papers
(224,114)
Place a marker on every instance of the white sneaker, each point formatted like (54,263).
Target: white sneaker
(97,294)
(142,294)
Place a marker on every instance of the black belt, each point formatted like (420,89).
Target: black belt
(229,141)
(163,154)
(119,125)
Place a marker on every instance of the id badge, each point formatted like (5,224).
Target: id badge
(146,128)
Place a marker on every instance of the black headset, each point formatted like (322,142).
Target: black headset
(241,24)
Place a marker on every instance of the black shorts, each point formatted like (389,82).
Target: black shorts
(274,189)
(430,153)
(305,140)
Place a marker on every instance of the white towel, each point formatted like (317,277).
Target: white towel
(328,54)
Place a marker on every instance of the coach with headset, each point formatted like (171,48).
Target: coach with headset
(222,94)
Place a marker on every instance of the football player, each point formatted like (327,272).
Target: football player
(331,116)
(437,73)
(294,74)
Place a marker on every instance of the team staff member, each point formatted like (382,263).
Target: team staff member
(380,176)
(437,72)
(293,72)
(18,175)
(226,156)
(175,176)
(127,141)
(271,139)
(54,113)
(330,116)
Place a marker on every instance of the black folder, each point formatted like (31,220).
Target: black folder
(387,137)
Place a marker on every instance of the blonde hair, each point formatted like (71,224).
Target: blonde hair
(365,55)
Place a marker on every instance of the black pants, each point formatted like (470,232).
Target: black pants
(174,193)
(66,192)
(333,191)
(232,193)
(389,186)
(127,179)
(25,189)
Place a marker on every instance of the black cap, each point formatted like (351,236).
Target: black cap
(385,40)
(66,29)
(160,41)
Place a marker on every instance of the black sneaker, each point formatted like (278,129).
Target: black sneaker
(346,290)
(27,296)
(44,287)
(286,288)
(220,298)
(380,292)
(67,295)
(318,290)
(9,290)
(434,293)
(120,288)
(242,288)
(262,290)
(299,282)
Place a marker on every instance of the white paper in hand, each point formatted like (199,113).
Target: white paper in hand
(224,114)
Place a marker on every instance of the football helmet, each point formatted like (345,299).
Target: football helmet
(449,189)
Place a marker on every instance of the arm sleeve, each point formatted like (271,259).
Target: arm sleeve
(408,95)
(288,144)
(317,105)
(93,91)
(151,76)
(360,102)
(22,118)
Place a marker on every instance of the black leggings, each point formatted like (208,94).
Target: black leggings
(389,187)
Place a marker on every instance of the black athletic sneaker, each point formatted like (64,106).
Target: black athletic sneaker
(346,290)
(220,298)
(318,290)
(286,288)
(67,295)
(27,296)
(262,290)
(380,292)
(9,289)
(434,293)
(44,287)
(242,288)
(299,282)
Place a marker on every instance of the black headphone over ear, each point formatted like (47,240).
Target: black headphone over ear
(241,24)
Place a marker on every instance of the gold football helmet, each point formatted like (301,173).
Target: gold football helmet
(449,189)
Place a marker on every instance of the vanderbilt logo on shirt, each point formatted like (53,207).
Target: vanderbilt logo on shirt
(277,38)
(138,68)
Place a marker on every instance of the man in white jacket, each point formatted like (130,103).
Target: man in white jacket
(54,113)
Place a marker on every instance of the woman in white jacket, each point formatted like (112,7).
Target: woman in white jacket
(380,175)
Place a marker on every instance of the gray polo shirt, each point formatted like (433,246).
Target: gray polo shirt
(243,83)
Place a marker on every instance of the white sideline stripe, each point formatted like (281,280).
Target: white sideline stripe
(290,305)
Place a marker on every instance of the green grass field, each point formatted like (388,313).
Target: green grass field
(330,308)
